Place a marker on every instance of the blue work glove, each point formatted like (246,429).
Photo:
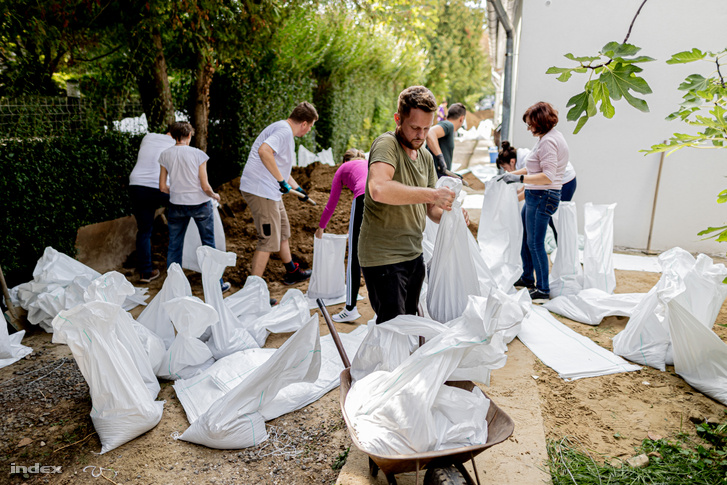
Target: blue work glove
(303,199)
(509,178)
(284,186)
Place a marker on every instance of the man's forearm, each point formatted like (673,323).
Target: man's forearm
(395,193)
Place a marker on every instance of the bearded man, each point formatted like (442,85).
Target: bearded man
(400,193)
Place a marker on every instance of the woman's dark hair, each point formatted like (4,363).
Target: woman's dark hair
(180,129)
(506,154)
(543,117)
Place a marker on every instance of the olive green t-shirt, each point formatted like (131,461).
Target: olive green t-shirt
(393,233)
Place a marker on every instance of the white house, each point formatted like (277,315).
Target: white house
(606,152)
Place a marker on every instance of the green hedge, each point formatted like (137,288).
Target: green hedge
(54,186)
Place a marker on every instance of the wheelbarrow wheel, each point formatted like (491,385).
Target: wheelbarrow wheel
(444,476)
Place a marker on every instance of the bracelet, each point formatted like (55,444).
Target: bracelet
(522,177)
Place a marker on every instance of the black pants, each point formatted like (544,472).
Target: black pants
(144,203)
(394,288)
(353,270)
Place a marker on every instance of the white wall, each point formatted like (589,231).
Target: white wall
(606,152)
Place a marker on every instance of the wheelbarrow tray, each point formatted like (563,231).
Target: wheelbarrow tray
(499,427)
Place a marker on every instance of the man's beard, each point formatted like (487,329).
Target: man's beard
(408,144)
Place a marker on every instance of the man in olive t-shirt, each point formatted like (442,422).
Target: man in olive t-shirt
(400,193)
(440,139)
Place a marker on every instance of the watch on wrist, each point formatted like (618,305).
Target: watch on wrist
(522,177)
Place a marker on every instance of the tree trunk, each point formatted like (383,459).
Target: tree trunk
(153,82)
(201,98)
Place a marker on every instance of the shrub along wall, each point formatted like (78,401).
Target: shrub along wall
(53,186)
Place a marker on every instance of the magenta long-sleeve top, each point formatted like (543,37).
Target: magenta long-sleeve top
(353,175)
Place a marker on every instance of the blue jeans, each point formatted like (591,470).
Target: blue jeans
(144,203)
(178,218)
(566,195)
(539,206)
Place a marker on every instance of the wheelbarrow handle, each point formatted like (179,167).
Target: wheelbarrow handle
(334,333)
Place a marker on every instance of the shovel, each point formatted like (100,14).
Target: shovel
(295,192)
(449,173)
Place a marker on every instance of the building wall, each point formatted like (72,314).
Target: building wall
(606,152)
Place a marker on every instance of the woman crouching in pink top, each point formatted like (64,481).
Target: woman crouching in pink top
(353,175)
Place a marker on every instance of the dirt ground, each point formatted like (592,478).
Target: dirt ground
(46,404)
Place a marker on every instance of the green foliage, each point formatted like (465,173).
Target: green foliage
(613,75)
(341,459)
(670,462)
(53,186)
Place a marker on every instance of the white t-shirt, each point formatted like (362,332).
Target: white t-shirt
(182,162)
(522,154)
(146,170)
(256,179)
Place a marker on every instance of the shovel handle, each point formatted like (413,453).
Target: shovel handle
(295,192)
(449,173)
(334,333)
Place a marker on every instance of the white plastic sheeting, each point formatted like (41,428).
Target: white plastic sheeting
(154,316)
(287,316)
(568,353)
(188,355)
(700,356)
(11,350)
(696,284)
(452,274)
(122,408)
(306,157)
(59,282)
(591,306)
(328,277)
(252,301)
(500,232)
(598,269)
(192,240)
(566,275)
(236,420)
(428,415)
(228,335)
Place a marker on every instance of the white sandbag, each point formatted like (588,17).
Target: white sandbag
(250,302)
(500,232)
(188,355)
(411,396)
(700,356)
(154,317)
(567,352)
(60,268)
(566,275)
(592,305)
(305,156)
(122,408)
(235,421)
(328,277)
(326,157)
(11,350)
(429,238)
(113,287)
(228,335)
(289,315)
(192,240)
(152,344)
(598,269)
(452,274)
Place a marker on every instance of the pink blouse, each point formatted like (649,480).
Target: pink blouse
(353,175)
(549,156)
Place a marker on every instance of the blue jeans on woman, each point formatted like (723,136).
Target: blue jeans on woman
(178,217)
(539,206)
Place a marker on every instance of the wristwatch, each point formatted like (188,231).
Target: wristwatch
(521,178)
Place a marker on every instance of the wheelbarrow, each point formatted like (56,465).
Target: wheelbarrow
(442,467)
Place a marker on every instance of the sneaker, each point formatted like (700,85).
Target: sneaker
(346,316)
(225,286)
(147,277)
(524,284)
(296,276)
(538,296)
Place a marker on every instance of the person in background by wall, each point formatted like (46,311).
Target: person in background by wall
(543,179)
(265,178)
(511,159)
(442,111)
(190,194)
(146,198)
(440,139)
(353,175)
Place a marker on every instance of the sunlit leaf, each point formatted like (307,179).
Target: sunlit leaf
(579,103)
(582,59)
(615,49)
(686,56)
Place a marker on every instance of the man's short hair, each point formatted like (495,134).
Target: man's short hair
(456,111)
(180,129)
(543,117)
(417,97)
(304,112)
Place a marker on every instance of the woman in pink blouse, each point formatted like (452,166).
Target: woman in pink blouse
(352,174)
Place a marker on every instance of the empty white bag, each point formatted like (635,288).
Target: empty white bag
(566,275)
(287,316)
(122,408)
(598,269)
(11,350)
(154,317)
(192,240)
(592,305)
(250,302)
(328,277)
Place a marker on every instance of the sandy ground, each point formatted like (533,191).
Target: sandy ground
(46,404)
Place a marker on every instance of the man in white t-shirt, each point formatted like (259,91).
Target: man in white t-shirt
(265,178)
(146,198)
